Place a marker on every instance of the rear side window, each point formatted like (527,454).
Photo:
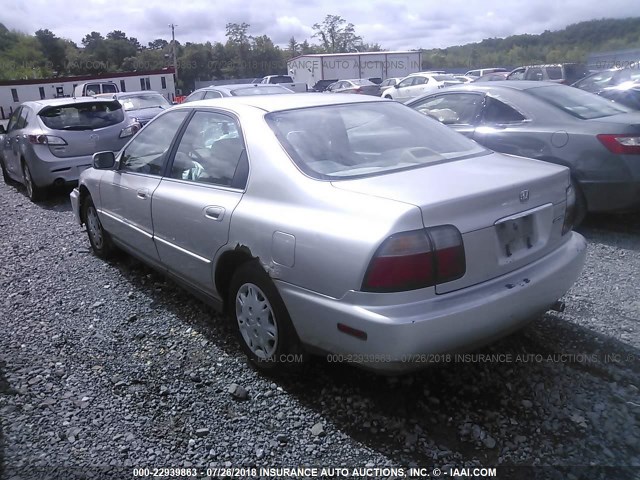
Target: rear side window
(82,116)
(109,88)
(497,112)
(534,73)
(452,108)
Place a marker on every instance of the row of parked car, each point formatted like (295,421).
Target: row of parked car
(349,224)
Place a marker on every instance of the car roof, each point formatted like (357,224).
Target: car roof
(131,94)
(286,101)
(235,86)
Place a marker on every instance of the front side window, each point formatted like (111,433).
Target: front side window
(212,94)
(452,108)
(357,140)
(147,153)
(407,82)
(13,121)
(577,102)
(82,116)
(209,151)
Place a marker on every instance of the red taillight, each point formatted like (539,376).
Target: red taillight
(358,90)
(622,144)
(416,259)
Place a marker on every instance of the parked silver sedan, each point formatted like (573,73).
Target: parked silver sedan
(319,228)
(49,142)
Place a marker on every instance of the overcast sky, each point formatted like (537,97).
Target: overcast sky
(394,24)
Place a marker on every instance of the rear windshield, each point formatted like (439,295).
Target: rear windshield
(139,102)
(554,73)
(267,90)
(356,140)
(579,103)
(82,116)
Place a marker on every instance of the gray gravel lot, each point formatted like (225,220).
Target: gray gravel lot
(107,366)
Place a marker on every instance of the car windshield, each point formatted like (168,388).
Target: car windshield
(82,116)
(579,103)
(266,90)
(361,81)
(355,140)
(138,102)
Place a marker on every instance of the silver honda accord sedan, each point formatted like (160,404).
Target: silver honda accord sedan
(342,224)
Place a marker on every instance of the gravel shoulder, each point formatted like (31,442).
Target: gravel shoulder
(109,366)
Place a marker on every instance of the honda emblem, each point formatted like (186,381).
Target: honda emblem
(524,196)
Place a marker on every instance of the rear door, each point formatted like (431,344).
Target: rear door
(461,111)
(126,193)
(193,205)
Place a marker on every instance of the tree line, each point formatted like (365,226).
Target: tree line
(241,55)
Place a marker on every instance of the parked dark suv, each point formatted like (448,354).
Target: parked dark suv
(566,73)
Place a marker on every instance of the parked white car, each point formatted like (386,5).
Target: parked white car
(389,83)
(418,84)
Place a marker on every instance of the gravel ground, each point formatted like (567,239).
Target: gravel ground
(107,366)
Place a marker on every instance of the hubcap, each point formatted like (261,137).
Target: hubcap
(257,321)
(93,227)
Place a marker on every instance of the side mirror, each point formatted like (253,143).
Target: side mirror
(2,130)
(397,85)
(104,160)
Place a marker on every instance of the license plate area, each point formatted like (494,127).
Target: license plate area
(516,236)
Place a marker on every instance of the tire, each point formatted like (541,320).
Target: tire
(34,192)
(99,239)
(267,337)
(581,204)
(5,175)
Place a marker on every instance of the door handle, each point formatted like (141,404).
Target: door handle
(214,213)
(143,193)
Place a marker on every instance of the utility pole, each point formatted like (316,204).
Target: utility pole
(173,50)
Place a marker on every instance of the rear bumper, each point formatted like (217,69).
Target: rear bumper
(399,335)
(75,204)
(604,196)
(47,169)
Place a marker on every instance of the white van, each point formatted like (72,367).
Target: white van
(89,89)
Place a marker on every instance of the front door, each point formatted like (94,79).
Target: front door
(193,205)
(461,111)
(126,193)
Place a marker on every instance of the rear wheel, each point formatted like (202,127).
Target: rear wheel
(99,239)
(261,321)
(388,96)
(34,192)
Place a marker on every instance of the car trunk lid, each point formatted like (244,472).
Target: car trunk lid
(510,211)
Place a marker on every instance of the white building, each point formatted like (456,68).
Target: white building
(14,92)
(342,66)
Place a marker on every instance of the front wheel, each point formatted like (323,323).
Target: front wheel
(34,192)
(261,321)
(98,238)
(5,174)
